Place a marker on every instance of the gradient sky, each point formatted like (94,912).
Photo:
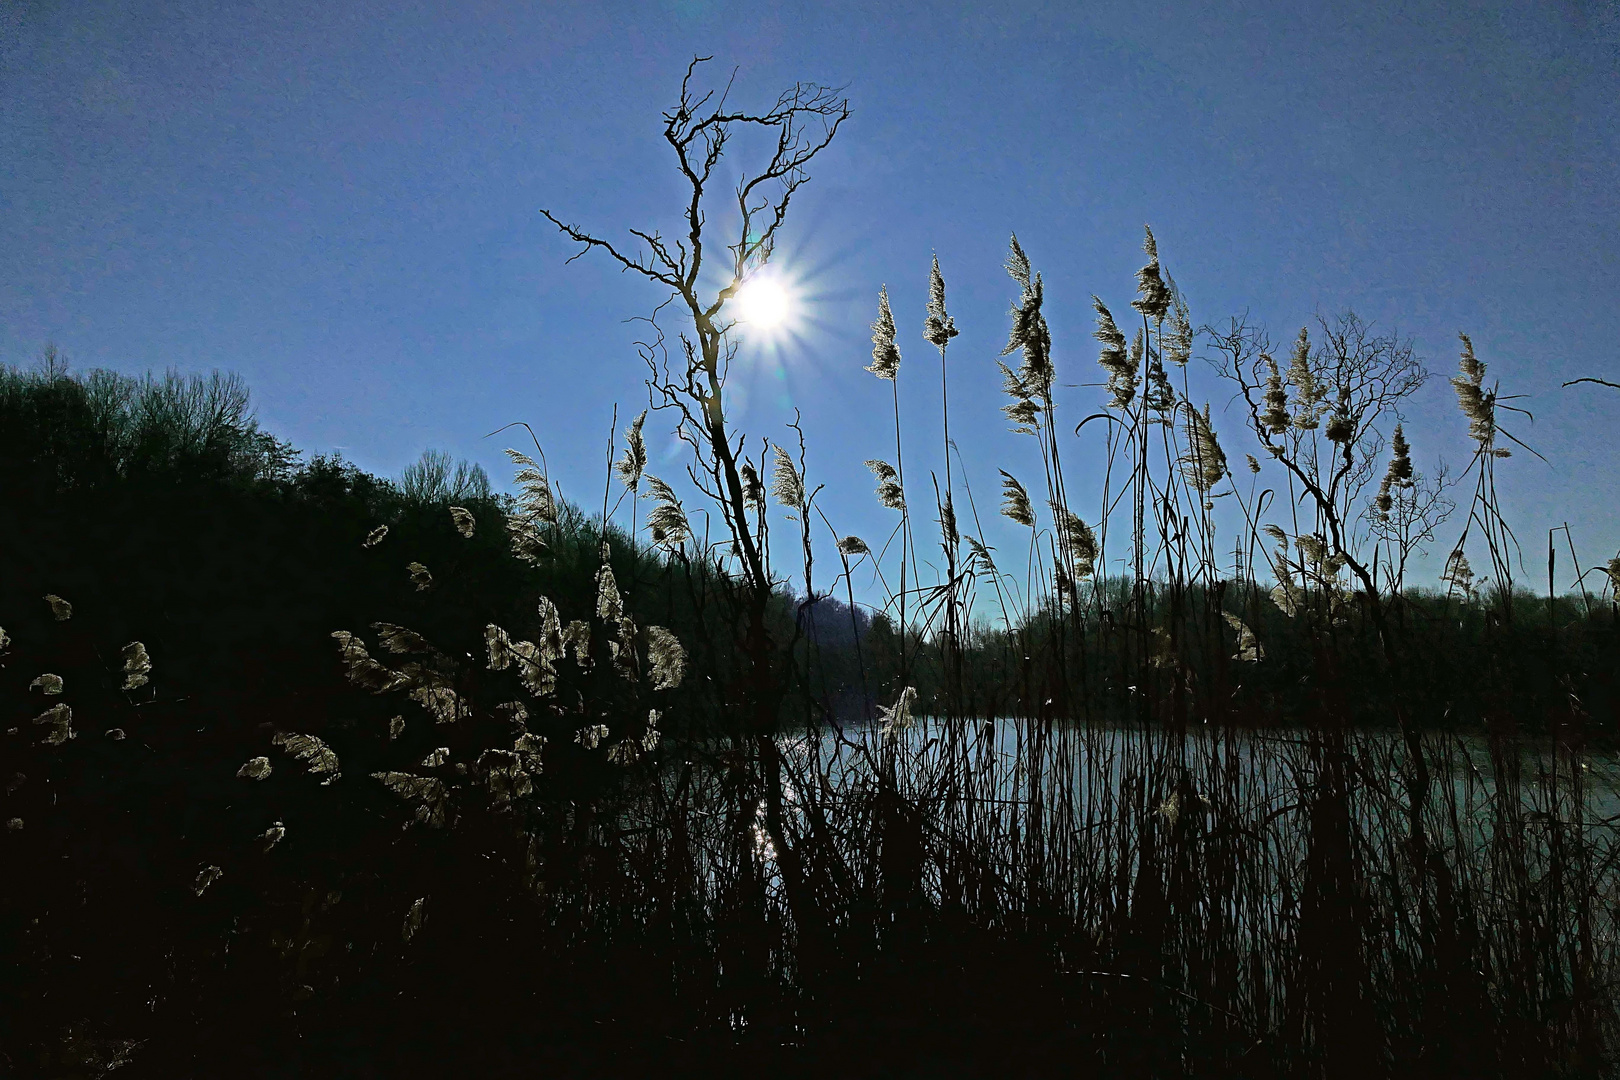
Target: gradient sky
(340,201)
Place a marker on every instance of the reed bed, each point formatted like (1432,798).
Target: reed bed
(629,792)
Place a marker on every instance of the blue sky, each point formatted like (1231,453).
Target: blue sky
(341,202)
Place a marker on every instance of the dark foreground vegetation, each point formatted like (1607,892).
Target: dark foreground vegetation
(310,773)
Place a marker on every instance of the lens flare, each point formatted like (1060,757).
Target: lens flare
(763,303)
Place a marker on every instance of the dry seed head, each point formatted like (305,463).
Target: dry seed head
(396,728)
(426,795)
(578,638)
(1178,343)
(314,753)
(273,835)
(624,752)
(1472,398)
(60,719)
(551,639)
(1276,418)
(47,684)
(1025,415)
(667,519)
(1254,464)
(889,492)
(1312,549)
(374,537)
(1029,331)
(137,665)
(61,610)
(634,463)
(435,758)
(516,713)
(463,520)
(1613,571)
(1303,380)
(206,877)
(609,604)
(536,509)
(853,545)
(1204,464)
(753,489)
(1015,503)
(1078,538)
(1120,366)
(1248,646)
(1458,573)
(787,486)
(947,522)
(5,640)
(897,717)
(445,706)
(530,746)
(938,327)
(398,640)
(885,354)
(1154,297)
(666,657)
(1400,462)
(420,576)
(254,769)
(413,920)
(505,776)
(363,671)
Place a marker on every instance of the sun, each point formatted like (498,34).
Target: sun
(764,303)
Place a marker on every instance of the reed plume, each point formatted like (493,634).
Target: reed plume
(427,796)
(47,684)
(885,353)
(374,537)
(137,665)
(787,486)
(666,657)
(420,576)
(536,509)
(1078,539)
(1204,463)
(413,920)
(1119,365)
(254,769)
(61,610)
(206,877)
(1015,503)
(313,752)
(463,520)
(889,492)
(897,717)
(1308,409)
(60,720)
(1029,331)
(634,462)
(1475,402)
(938,326)
(667,519)
(1154,297)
